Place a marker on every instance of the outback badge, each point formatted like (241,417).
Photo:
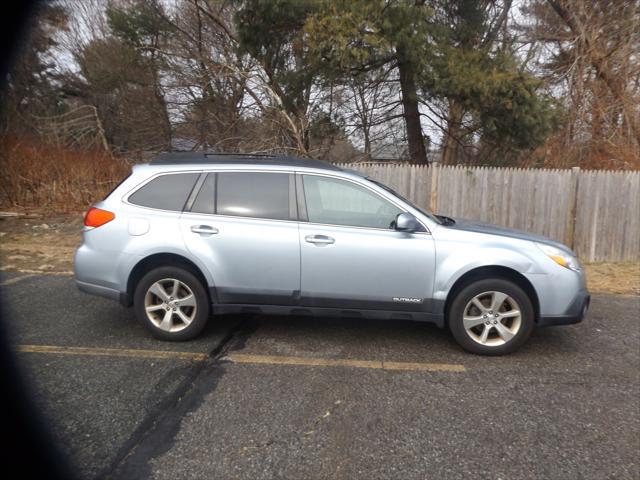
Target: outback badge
(407,300)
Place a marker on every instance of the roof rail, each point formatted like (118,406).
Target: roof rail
(268,155)
(200,157)
(207,158)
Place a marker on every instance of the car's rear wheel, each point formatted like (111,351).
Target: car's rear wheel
(491,317)
(172,303)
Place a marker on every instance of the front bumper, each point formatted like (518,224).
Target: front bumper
(575,313)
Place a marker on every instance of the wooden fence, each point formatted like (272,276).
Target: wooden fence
(597,213)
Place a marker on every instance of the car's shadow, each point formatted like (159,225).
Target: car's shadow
(397,340)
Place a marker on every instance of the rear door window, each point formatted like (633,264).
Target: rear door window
(254,194)
(165,192)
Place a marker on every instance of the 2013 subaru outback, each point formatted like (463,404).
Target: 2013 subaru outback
(192,233)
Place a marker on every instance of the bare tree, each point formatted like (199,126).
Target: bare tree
(588,56)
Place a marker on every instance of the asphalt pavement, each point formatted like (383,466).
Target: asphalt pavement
(304,398)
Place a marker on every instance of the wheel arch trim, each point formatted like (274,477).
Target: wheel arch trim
(491,271)
(161,259)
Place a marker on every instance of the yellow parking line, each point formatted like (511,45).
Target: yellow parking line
(110,352)
(325,362)
(244,358)
(427,367)
(63,273)
(311,362)
(13,280)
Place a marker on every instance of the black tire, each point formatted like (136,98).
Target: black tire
(466,295)
(200,314)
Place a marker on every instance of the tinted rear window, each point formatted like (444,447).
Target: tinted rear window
(166,192)
(259,195)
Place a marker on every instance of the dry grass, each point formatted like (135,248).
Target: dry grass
(39,243)
(54,178)
(614,277)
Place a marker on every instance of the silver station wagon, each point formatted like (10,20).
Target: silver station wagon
(194,233)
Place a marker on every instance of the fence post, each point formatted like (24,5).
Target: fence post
(433,194)
(574,181)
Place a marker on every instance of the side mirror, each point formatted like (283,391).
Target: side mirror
(405,222)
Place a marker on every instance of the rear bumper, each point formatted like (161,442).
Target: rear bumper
(106,292)
(103,273)
(575,313)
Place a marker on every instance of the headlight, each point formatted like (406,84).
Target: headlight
(561,257)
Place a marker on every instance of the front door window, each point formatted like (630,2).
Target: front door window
(338,202)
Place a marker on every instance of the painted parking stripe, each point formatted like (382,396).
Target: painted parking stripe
(32,272)
(325,362)
(13,280)
(244,358)
(111,352)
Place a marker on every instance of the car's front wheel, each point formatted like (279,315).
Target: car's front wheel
(491,317)
(172,303)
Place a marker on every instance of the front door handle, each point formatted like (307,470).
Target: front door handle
(204,229)
(319,239)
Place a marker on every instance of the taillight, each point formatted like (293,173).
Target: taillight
(96,217)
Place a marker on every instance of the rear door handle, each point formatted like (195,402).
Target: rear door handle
(319,239)
(204,229)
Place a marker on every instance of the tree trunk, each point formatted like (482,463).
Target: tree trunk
(306,136)
(162,105)
(367,142)
(417,150)
(452,138)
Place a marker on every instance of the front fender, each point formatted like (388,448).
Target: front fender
(458,256)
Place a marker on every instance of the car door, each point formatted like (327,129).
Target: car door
(351,257)
(242,225)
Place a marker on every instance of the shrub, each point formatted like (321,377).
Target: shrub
(55,178)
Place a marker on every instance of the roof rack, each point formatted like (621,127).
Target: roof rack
(177,157)
(267,155)
(206,158)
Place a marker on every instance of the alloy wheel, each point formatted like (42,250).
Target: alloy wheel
(492,318)
(170,304)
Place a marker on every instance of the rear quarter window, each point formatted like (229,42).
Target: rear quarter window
(166,192)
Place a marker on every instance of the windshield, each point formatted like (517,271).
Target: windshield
(421,210)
